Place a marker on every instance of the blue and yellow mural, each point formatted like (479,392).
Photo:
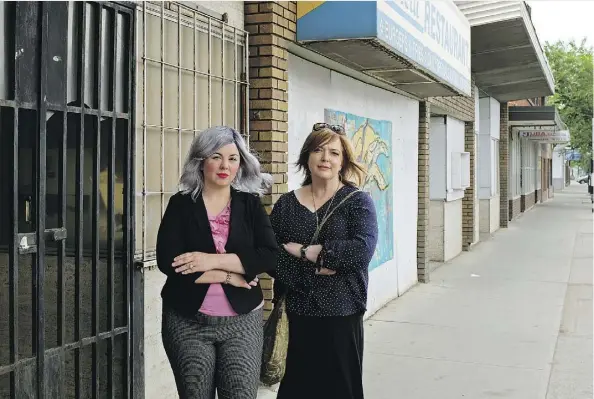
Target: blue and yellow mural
(372,141)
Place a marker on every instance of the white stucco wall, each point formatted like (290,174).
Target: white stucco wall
(234,10)
(558,168)
(313,88)
(558,164)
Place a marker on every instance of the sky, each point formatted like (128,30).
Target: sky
(563,20)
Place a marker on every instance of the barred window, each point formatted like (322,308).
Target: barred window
(192,74)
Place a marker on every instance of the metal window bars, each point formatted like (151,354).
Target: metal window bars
(192,73)
(66,112)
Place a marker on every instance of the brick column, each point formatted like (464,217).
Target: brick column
(423,193)
(468,202)
(503,165)
(271,25)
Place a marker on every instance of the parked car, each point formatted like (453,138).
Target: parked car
(583,179)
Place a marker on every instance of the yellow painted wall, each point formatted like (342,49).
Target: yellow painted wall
(303,7)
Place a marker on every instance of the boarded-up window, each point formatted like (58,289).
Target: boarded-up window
(191,75)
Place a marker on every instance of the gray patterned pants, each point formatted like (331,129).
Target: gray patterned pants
(208,353)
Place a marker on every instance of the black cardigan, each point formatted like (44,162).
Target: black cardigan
(185,228)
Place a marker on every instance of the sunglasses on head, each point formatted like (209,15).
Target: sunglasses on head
(338,129)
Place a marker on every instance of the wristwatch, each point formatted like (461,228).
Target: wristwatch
(304,252)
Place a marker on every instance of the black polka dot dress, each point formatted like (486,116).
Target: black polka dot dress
(325,353)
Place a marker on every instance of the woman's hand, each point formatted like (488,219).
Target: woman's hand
(237,280)
(220,277)
(312,253)
(192,262)
(254,282)
(293,249)
(325,272)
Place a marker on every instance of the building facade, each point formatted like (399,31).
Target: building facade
(104,99)
(383,92)
(512,74)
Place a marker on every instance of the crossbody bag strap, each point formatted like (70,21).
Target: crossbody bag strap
(319,229)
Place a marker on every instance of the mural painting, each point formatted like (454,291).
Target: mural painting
(372,141)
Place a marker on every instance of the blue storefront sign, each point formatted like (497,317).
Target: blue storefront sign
(434,36)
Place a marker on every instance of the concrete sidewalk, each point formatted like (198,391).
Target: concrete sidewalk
(510,319)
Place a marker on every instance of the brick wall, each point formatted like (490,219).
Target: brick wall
(469,200)
(520,103)
(459,107)
(528,201)
(538,195)
(503,165)
(423,193)
(528,102)
(515,208)
(271,25)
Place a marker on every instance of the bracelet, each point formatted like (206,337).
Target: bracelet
(228,278)
(320,260)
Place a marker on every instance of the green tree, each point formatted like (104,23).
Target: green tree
(572,68)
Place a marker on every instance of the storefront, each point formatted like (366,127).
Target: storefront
(537,138)
(488,170)
(449,178)
(508,64)
(369,70)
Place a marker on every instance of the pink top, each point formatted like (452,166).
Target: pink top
(215,302)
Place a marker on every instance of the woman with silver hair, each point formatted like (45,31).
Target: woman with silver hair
(214,239)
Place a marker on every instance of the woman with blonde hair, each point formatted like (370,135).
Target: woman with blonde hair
(214,239)
(327,231)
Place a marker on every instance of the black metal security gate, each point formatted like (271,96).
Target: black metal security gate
(66,217)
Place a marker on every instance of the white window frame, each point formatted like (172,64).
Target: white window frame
(495,178)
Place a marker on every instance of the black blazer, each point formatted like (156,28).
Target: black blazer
(185,228)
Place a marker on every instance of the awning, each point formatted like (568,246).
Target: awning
(508,62)
(542,124)
(545,136)
(420,47)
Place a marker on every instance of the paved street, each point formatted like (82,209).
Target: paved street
(510,319)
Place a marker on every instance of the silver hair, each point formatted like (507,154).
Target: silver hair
(249,177)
